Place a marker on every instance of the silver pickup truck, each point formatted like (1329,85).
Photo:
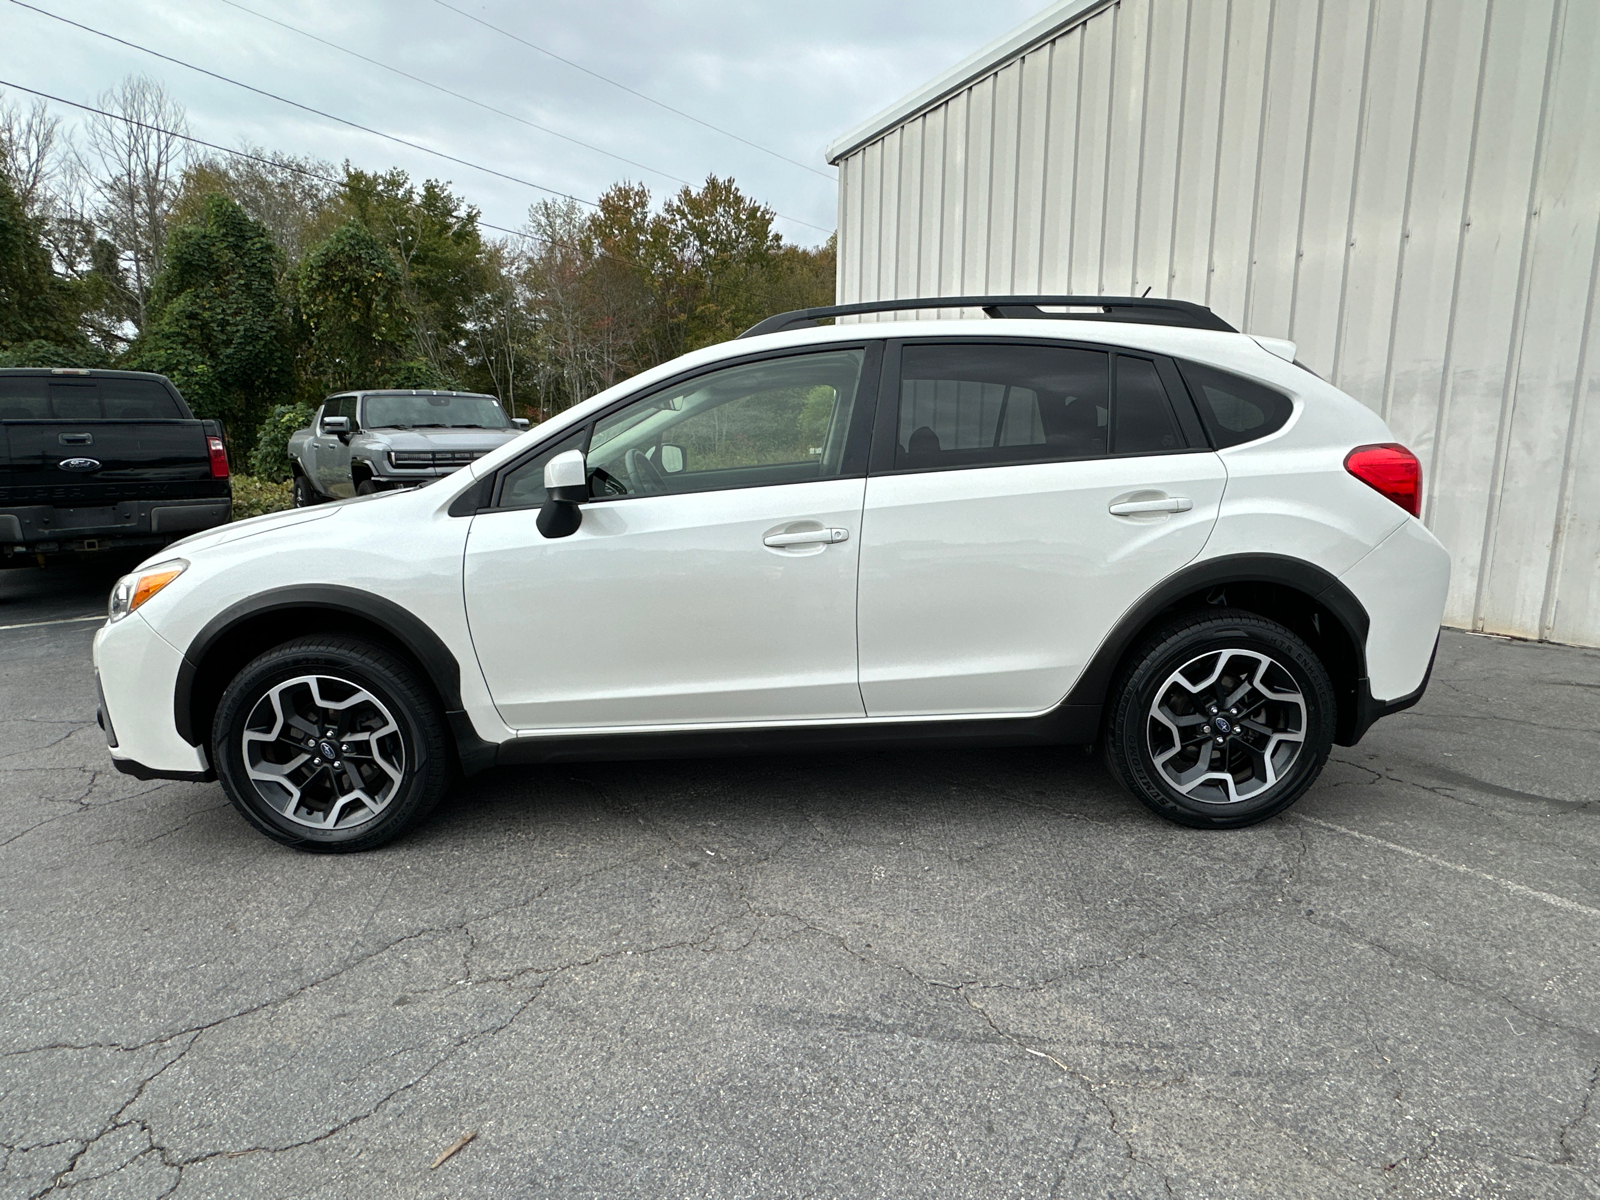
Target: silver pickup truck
(370,441)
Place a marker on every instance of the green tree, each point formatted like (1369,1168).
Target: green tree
(351,314)
(35,304)
(218,327)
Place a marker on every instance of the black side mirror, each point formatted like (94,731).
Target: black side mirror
(566,482)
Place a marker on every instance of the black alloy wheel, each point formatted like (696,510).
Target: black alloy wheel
(1220,720)
(331,743)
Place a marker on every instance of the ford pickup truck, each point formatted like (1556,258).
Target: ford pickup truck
(101,460)
(375,441)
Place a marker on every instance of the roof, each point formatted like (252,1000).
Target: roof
(1059,16)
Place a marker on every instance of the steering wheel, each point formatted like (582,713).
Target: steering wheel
(643,475)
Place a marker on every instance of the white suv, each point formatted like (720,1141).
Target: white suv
(1132,526)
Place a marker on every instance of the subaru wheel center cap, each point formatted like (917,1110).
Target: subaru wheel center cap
(328,749)
(1224,726)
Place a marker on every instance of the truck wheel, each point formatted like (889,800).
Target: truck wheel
(366,488)
(304,495)
(1222,719)
(330,743)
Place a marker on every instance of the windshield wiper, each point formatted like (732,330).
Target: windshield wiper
(472,427)
(429,425)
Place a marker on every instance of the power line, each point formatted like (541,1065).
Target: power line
(304,107)
(633,92)
(270,162)
(458,95)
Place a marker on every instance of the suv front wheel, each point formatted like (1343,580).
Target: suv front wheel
(330,743)
(1222,719)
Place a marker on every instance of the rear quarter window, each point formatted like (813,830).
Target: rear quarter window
(1235,410)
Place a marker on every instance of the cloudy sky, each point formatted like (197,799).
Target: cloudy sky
(787,77)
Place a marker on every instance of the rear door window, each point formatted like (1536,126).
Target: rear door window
(1235,410)
(972,404)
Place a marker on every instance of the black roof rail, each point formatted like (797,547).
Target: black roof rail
(1134,309)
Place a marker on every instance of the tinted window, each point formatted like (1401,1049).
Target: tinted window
(1235,410)
(25,398)
(524,485)
(74,401)
(782,420)
(137,400)
(974,404)
(421,412)
(1142,421)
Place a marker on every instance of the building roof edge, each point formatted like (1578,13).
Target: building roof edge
(1059,16)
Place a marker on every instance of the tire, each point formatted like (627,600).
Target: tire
(304,494)
(366,488)
(1209,765)
(389,737)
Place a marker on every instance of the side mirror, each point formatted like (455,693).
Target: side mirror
(339,427)
(520,422)
(566,482)
(673,458)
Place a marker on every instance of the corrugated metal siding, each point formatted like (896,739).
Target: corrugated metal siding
(1408,189)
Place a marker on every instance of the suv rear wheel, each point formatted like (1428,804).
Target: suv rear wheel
(1222,719)
(330,743)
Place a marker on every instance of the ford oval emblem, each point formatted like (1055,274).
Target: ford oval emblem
(80,464)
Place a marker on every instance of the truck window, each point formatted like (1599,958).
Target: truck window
(137,400)
(25,398)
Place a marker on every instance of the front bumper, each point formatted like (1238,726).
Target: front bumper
(137,671)
(47,529)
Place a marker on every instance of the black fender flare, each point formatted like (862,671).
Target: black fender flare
(438,663)
(1296,573)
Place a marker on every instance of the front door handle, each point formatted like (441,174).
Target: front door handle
(806,537)
(1169,504)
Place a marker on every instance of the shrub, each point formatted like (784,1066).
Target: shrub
(252,496)
(269,461)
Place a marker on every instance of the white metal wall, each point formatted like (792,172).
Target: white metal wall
(1409,189)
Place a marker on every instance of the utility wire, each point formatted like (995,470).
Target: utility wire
(449,92)
(485,106)
(277,164)
(631,91)
(305,107)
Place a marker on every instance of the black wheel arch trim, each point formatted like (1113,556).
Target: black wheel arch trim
(1306,578)
(435,658)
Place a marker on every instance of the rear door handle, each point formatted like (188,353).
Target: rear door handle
(1171,504)
(806,537)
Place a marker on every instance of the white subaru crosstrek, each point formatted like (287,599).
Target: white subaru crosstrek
(1133,526)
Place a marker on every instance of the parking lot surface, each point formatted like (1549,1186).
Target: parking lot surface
(922,974)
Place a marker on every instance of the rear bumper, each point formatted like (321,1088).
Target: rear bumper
(1370,711)
(46,528)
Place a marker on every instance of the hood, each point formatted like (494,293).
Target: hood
(438,439)
(246,528)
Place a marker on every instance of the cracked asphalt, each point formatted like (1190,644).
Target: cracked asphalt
(923,974)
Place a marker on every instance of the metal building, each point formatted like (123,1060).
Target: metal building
(1408,189)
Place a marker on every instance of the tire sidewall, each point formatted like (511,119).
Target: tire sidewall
(367,671)
(1164,656)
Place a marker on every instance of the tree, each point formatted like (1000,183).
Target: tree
(140,154)
(35,305)
(217,325)
(29,153)
(434,239)
(351,310)
(297,199)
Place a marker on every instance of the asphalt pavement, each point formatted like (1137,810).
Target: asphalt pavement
(951,974)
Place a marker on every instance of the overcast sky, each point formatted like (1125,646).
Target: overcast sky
(789,77)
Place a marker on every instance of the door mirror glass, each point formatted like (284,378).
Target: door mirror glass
(673,458)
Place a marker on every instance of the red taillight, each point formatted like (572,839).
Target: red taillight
(219,458)
(1390,469)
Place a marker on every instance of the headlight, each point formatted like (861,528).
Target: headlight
(133,590)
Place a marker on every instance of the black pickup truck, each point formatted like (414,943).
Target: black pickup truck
(100,460)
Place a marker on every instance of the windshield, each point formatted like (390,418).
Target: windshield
(437,412)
